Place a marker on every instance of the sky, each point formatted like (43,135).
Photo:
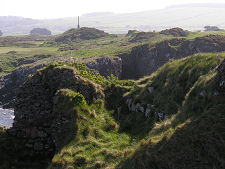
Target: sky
(46,9)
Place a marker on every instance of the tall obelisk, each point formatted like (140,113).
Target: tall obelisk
(78,26)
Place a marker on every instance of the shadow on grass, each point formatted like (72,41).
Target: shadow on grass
(198,144)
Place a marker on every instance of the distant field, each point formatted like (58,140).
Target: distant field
(21,50)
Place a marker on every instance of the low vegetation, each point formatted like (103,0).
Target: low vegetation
(171,119)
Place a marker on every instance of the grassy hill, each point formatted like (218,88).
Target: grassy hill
(189,96)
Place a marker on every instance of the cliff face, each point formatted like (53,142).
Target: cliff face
(144,60)
(44,110)
(107,66)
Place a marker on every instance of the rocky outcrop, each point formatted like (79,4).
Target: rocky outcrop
(10,82)
(144,60)
(44,111)
(107,66)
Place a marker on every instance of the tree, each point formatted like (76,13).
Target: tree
(211,28)
(1,33)
(40,31)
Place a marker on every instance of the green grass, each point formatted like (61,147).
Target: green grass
(193,35)
(194,126)
(108,135)
(193,121)
(97,140)
(10,56)
(80,49)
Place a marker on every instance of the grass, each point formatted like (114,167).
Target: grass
(108,46)
(193,128)
(109,135)
(193,35)
(97,141)
(187,134)
(192,136)
(11,57)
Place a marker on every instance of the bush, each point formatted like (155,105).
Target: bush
(211,28)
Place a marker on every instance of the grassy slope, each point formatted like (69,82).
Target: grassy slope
(193,134)
(177,92)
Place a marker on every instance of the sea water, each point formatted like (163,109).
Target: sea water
(6,117)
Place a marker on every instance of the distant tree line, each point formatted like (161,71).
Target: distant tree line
(211,28)
(1,33)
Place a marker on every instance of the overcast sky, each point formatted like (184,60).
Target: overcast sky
(43,9)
